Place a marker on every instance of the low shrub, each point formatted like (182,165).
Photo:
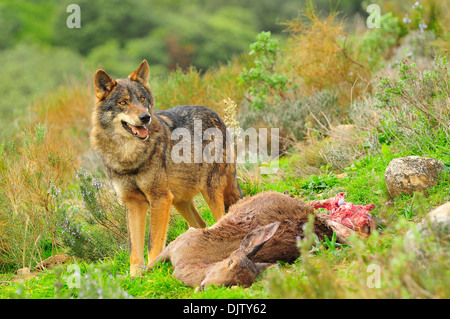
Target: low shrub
(194,87)
(417,106)
(319,58)
(92,282)
(34,171)
(297,118)
(377,267)
(263,80)
(99,229)
(377,43)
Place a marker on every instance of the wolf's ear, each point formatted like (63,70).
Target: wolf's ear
(103,84)
(141,74)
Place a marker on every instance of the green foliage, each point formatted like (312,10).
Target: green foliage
(10,24)
(216,46)
(417,106)
(102,21)
(332,245)
(316,184)
(263,79)
(95,282)
(29,72)
(24,20)
(165,37)
(99,230)
(92,282)
(403,273)
(166,33)
(295,117)
(376,42)
(304,245)
(416,207)
(423,15)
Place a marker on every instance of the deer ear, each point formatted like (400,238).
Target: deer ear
(103,84)
(141,74)
(254,240)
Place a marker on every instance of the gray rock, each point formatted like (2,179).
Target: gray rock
(51,261)
(436,225)
(23,271)
(437,221)
(412,174)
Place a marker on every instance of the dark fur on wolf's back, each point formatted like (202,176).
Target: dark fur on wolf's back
(137,156)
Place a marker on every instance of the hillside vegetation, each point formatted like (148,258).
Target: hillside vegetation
(347,100)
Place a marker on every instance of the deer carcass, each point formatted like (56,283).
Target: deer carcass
(257,232)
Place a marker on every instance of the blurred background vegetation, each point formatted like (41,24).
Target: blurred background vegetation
(39,53)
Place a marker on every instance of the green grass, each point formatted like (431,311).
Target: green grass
(323,273)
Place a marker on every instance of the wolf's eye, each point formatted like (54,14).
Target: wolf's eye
(123,102)
(230,262)
(142,98)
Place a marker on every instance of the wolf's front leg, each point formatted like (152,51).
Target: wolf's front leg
(137,208)
(159,222)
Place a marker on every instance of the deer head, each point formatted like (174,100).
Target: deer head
(239,268)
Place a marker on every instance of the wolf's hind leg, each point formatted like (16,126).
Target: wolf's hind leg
(187,210)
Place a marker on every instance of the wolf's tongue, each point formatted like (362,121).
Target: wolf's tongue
(140,130)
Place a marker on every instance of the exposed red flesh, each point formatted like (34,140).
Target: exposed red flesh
(355,217)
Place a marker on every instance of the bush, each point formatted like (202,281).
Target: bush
(376,43)
(98,230)
(193,87)
(418,109)
(319,58)
(33,173)
(377,267)
(93,281)
(103,21)
(262,79)
(296,118)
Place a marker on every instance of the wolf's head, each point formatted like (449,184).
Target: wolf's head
(125,106)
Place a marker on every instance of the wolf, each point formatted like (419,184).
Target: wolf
(134,141)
